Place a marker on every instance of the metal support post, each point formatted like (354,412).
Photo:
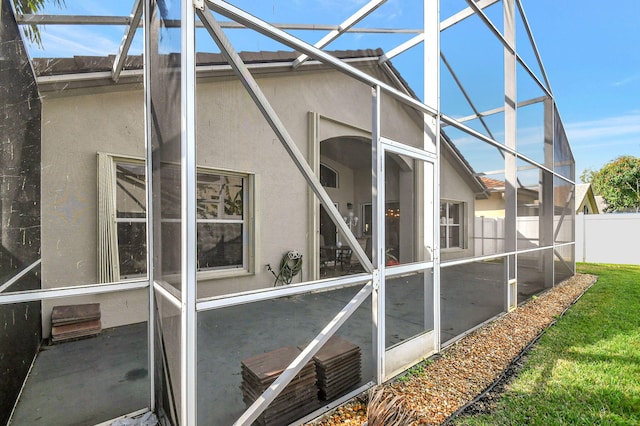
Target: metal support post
(510,130)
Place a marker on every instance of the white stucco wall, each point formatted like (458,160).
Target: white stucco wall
(454,188)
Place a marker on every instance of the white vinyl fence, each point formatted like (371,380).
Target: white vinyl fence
(608,238)
(489,234)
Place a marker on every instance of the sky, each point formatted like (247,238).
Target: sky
(590,50)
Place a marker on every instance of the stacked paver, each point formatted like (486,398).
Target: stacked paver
(71,322)
(338,367)
(298,398)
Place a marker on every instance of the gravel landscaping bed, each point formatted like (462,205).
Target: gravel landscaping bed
(445,385)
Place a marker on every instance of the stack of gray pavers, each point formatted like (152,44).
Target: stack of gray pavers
(298,398)
(338,367)
(71,322)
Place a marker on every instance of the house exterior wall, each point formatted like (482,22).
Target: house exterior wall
(231,135)
(454,188)
(74,129)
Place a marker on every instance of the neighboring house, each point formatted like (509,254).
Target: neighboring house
(528,199)
(493,205)
(253,205)
(586,201)
(530,215)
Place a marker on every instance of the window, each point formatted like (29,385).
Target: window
(131,218)
(451,220)
(328,177)
(222,219)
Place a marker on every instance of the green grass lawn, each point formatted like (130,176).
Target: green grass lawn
(586,369)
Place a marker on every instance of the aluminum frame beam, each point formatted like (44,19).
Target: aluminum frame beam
(189,328)
(510,46)
(45,19)
(148,129)
(401,48)
(19,275)
(532,40)
(464,14)
(129,33)
(378,235)
(510,140)
(342,28)
(80,290)
(272,32)
(219,302)
(478,11)
(501,109)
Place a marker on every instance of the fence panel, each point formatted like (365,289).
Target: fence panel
(608,238)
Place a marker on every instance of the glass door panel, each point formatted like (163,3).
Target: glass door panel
(408,232)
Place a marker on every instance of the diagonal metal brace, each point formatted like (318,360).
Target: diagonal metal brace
(280,130)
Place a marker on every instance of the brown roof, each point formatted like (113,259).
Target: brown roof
(492,183)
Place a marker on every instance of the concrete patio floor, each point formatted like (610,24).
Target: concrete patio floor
(94,380)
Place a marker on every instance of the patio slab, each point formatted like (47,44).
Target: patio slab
(91,381)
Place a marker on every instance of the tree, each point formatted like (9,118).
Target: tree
(28,7)
(619,183)
(587,175)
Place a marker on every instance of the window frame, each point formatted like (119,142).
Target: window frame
(332,170)
(247,221)
(248,185)
(446,225)
(118,220)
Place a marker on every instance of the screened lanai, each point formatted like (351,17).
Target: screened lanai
(250,212)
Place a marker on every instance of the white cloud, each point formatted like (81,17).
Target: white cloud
(605,130)
(66,41)
(626,80)
(596,142)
